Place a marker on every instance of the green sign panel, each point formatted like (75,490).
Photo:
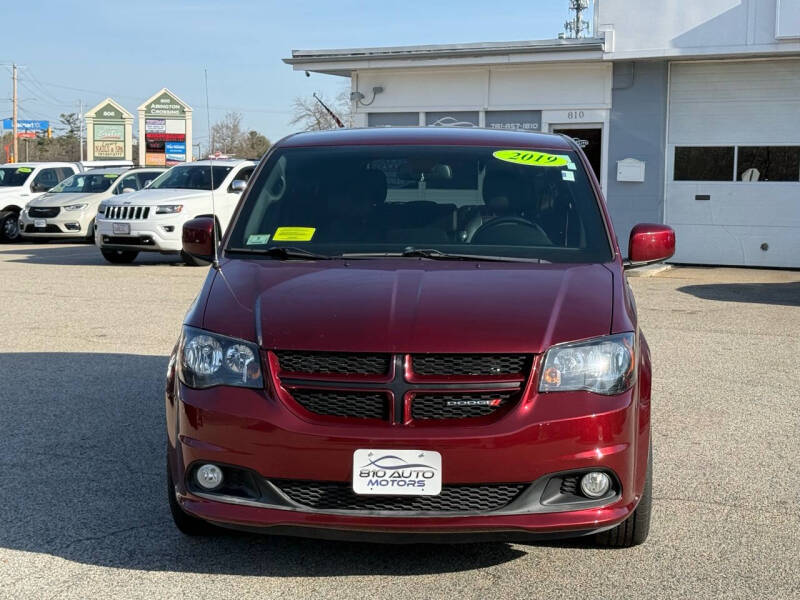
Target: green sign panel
(165,106)
(108,113)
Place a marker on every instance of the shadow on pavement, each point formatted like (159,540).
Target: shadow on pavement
(783,293)
(82,478)
(73,254)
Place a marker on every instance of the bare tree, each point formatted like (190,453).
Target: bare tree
(228,136)
(310,115)
(225,134)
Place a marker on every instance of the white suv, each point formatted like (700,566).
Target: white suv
(22,182)
(152,220)
(69,209)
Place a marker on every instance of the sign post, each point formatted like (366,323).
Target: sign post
(109,132)
(165,130)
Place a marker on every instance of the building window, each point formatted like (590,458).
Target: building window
(704,163)
(768,163)
(396,119)
(452,119)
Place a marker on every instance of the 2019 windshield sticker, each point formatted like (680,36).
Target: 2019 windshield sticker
(294,234)
(258,238)
(111,175)
(24,170)
(532,158)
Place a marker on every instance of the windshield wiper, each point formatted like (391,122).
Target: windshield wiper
(284,252)
(435,254)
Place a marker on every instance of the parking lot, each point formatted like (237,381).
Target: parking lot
(83,507)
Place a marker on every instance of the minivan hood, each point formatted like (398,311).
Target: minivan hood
(62,199)
(409,305)
(148,197)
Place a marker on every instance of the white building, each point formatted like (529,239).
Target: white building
(689,112)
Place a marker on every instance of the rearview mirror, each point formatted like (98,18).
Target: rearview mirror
(238,186)
(198,238)
(650,243)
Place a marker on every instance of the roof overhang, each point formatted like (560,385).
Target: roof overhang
(344,61)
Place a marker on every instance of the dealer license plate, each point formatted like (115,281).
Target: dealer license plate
(397,472)
(40,223)
(121,228)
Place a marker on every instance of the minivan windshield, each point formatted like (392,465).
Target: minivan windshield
(436,202)
(85,183)
(14,176)
(191,177)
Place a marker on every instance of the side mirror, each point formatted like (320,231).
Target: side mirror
(198,238)
(650,243)
(238,186)
(39,187)
(128,190)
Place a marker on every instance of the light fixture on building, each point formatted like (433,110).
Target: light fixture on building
(358,97)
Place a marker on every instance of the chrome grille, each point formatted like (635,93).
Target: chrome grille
(127,213)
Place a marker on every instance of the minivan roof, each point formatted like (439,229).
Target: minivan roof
(427,136)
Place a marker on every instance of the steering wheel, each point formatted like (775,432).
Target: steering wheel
(504,221)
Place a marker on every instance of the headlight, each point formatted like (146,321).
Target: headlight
(169,209)
(207,359)
(603,365)
(101,210)
(76,206)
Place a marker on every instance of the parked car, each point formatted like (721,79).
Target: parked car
(151,220)
(69,209)
(415,335)
(22,182)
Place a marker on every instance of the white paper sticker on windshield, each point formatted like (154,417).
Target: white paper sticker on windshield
(567,175)
(255,239)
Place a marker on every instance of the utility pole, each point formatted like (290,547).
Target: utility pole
(80,127)
(14,101)
(577,26)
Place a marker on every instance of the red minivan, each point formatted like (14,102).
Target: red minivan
(420,334)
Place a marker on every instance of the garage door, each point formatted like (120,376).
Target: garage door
(733,162)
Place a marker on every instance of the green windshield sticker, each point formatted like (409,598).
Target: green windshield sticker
(294,234)
(532,158)
(24,170)
(258,238)
(111,175)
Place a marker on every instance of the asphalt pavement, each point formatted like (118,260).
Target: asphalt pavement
(83,511)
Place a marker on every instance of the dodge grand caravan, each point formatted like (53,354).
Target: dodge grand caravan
(415,335)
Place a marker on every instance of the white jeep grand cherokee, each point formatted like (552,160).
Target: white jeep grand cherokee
(151,220)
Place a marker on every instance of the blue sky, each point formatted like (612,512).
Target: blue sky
(129,50)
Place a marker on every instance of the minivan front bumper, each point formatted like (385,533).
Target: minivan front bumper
(543,436)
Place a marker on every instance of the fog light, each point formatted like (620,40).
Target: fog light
(209,477)
(73,226)
(595,484)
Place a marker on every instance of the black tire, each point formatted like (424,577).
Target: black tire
(186,523)
(89,238)
(9,227)
(191,262)
(633,530)
(119,257)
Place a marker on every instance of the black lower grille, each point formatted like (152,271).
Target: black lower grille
(44,212)
(144,240)
(470,364)
(46,229)
(334,363)
(336,403)
(323,495)
(457,406)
